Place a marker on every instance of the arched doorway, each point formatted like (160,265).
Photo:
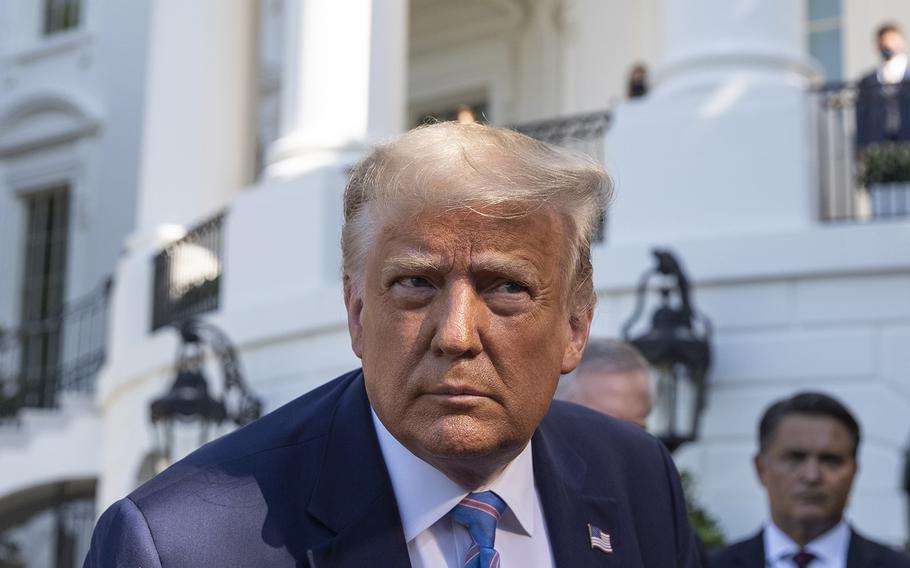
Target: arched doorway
(47,526)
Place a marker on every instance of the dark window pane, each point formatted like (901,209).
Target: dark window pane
(61,15)
(825,46)
(820,9)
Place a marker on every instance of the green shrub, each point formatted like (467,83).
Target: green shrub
(703,523)
(888,162)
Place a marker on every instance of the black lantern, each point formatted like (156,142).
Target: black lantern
(678,349)
(187,415)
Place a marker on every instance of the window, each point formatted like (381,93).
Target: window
(61,15)
(51,528)
(824,27)
(46,245)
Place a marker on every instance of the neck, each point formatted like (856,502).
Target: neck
(803,533)
(472,473)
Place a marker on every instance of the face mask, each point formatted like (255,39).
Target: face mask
(887,53)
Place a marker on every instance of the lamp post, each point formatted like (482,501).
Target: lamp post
(185,416)
(678,349)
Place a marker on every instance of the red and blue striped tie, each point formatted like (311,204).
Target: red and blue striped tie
(479,513)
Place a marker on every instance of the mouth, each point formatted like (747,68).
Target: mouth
(458,393)
(811,498)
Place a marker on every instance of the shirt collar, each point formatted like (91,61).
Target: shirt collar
(424,494)
(828,546)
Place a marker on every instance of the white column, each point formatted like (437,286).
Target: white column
(722,145)
(710,40)
(197,138)
(196,152)
(343,81)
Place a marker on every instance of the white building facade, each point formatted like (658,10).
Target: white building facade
(124,126)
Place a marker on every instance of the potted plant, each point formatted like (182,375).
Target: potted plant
(884,170)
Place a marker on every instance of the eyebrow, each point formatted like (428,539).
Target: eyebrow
(423,263)
(500,265)
(412,262)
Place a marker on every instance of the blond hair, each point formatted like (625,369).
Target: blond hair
(492,171)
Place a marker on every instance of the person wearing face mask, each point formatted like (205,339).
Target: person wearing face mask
(883,97)
(638,81)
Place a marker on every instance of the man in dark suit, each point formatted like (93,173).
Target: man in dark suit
(807,462)
(467,283)
(883,95)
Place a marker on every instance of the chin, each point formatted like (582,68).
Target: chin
(455,437)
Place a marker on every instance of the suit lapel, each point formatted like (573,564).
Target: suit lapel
(860,554)
(353,496)
(559,473)
(752,552)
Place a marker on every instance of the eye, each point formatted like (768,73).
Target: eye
(511,288)
(833,459)
(414,282)
(794,457)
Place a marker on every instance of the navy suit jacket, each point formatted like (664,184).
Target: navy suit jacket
(861,553)
(882,111)
(306,485)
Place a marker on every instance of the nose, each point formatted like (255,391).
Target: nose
(459,315)
(811,472)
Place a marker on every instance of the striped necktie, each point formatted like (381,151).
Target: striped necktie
(479,513)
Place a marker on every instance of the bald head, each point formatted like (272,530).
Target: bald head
(612,378)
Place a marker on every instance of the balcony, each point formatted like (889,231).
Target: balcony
(863,142)
(582,133)
(187,274)
(42,359)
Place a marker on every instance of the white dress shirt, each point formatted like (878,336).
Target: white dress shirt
(425,496)
(830,548)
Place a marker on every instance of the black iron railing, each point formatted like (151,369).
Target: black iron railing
(187,275)
(853,127)
(583,133)
(43,358)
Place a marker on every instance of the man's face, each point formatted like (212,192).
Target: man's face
(462,324)
(625,395)
(807,469)
(890,44)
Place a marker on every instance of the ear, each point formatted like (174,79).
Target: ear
(579,328)
(353,303)
(759,462)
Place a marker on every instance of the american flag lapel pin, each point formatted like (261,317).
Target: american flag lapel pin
(600,539)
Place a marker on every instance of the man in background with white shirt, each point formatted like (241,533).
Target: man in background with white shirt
(883,95)
(807,462)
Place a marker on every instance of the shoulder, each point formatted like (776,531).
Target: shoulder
(122,538)
(866,550)
(736,554)
(612,457)
(587,427)
(605,442)
(869,79)
(247,486)
(301,422)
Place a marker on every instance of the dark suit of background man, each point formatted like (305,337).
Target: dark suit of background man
(806,462)
(467,283)
(883,97)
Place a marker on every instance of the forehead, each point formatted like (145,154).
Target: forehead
(811,433)
(444,233)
